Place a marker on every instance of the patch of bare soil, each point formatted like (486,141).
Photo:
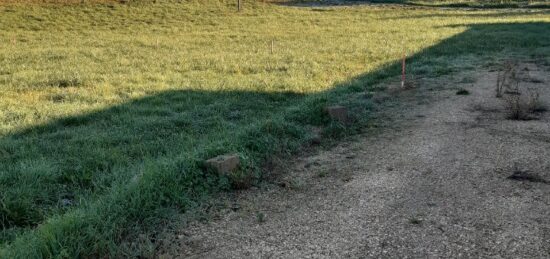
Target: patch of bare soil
(453,178)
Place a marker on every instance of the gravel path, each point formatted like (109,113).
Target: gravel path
(437,186)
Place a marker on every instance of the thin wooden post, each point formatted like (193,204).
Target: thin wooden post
(238,5)
(403,72)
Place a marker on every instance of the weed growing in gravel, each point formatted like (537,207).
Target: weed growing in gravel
(322,173)
(522,102)
(260,217)
(534,103)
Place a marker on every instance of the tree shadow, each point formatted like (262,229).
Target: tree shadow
(46,166)
(433,4)
(68,163)
(472,15)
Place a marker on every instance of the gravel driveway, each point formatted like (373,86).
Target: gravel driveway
(438,184)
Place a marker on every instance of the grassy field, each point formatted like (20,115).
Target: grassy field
(108,110)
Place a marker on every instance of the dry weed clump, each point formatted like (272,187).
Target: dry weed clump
(522,102)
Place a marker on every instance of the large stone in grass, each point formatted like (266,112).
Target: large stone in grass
(223,164)
(338,113)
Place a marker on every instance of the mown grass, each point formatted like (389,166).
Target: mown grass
(108,110)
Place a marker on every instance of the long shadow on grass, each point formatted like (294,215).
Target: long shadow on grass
(110,173)
(443,4)
(474,14)
(54,165)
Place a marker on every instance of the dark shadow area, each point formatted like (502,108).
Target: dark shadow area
(473,14)
(433,4)
(74,156)
(480,4)
(160,141)
(523,175)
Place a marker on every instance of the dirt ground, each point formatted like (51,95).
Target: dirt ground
(442,182)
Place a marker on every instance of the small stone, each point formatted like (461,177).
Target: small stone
(347,178)
(316,140)
(223,164)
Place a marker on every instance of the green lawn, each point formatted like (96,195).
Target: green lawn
(108,110)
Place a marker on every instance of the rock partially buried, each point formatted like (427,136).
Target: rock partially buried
(316,138)
(338,113)
(223,164)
